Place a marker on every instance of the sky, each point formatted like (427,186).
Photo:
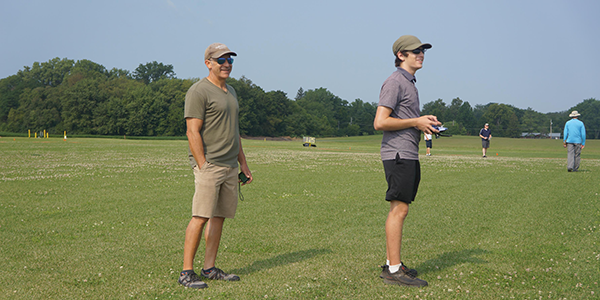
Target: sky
(543,55)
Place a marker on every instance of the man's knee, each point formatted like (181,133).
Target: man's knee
(198,221)
(398,209)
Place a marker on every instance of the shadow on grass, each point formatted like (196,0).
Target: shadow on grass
(279,260)
(450,259)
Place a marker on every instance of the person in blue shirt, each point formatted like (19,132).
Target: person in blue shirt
(574,141)
(486,135)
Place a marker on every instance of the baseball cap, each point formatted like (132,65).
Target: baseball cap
(217,50)
(408,42)
(486,124)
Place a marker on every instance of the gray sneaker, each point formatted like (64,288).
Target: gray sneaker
(218,274)
(192,280)
(411,272)
(402,278)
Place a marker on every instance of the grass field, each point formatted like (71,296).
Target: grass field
(105,219)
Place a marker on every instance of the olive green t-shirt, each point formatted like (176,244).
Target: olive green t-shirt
(220,131)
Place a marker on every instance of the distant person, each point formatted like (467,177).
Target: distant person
(398,116)
(574,141)
(428,143)
(215,149)
(486,135)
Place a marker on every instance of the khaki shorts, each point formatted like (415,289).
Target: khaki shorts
(216,192)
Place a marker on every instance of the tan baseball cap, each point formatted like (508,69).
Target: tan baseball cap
(408,42)
(217,50)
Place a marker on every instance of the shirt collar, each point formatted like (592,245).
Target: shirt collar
(407,75)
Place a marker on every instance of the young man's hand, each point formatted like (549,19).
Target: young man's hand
(425,124)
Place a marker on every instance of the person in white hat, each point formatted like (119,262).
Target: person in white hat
(215,149)
(574,141)
(486,135)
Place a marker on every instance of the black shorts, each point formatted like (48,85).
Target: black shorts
(403,177)
(428,143)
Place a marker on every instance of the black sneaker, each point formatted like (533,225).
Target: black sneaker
(402,278)
(385,268)
(412,272)
(218,274)
(192,280)
(407,270)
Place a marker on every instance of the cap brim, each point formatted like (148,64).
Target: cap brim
(219,54)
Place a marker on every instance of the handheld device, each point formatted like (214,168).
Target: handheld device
(441,129)
(243,177)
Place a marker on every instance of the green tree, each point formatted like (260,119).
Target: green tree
(172,93)
(467,118)
(453,109)
(500,118)
(153,71)
(436,108)
(325,106)
(11,89)
(590,116)
(50,73)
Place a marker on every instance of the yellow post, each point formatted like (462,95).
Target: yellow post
(28,133)
(65,138)
(36,134)
(44,133)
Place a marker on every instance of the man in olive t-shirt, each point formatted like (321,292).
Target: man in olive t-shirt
(215,149)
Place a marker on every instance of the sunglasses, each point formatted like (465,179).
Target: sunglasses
(418,51)
(221,60)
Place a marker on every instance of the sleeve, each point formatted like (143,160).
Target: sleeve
(566,133)
(195,105)
(389,94)
(583,134)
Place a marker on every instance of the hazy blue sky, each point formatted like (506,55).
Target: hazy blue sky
(539,54)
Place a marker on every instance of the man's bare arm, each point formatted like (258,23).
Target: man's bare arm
(195,139)
(383,121)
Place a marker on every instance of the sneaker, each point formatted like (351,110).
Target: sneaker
(386,268)
(409,271)
(192,280)
(402,278)
(218,274)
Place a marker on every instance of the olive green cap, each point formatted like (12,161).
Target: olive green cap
(408,42)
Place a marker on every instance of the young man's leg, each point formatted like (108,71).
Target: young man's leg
(393,230)
(403,178)
(396,273)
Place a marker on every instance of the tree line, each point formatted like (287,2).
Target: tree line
(83,97)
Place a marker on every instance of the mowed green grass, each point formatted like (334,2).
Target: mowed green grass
(105,219)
